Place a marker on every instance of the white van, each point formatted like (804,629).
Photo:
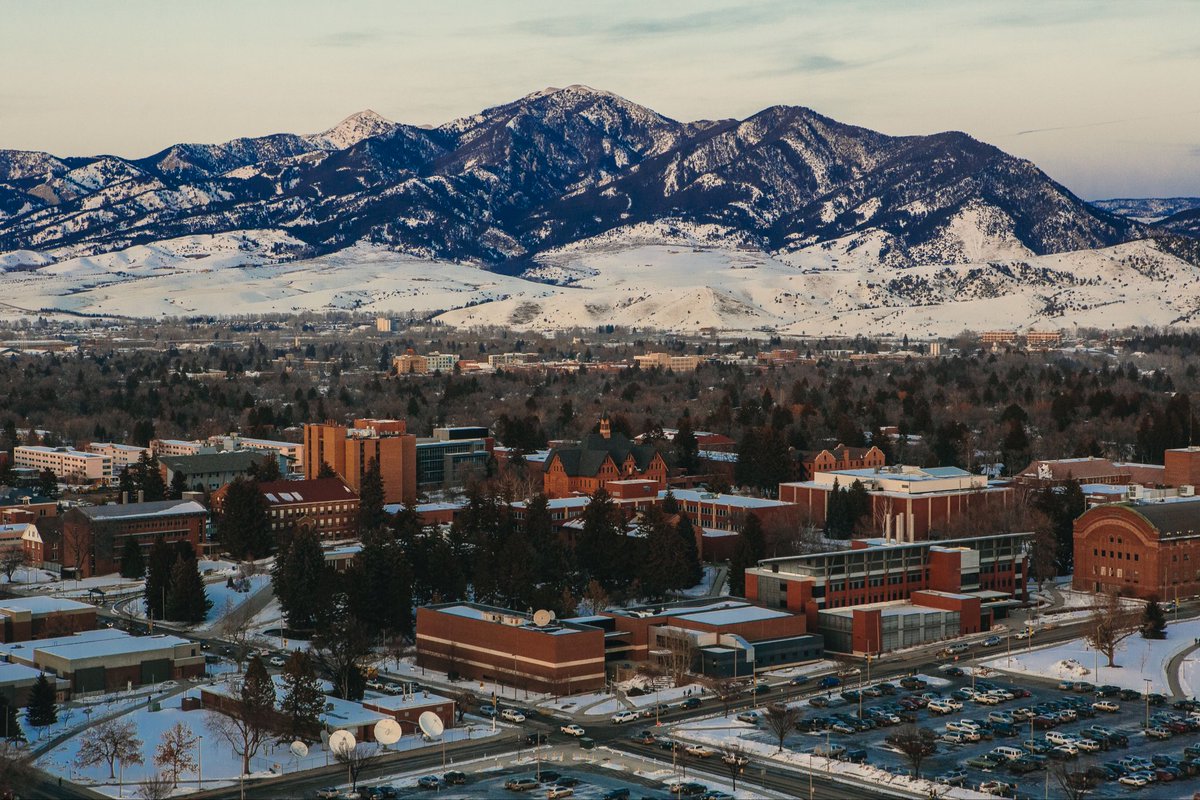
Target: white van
(1011,753)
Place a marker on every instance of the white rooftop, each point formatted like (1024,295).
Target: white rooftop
(41,604)
(397,702)
(733,500)
(734,616)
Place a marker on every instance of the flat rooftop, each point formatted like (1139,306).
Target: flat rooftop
(399,702)
(732,500)
(888,608)
(42,604)
(734,616)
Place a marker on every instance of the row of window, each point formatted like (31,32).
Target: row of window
(292,512)
(1119,555)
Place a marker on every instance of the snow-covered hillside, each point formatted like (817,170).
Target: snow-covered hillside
(666,279)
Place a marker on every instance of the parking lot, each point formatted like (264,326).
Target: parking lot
(1128,720)
(594,784)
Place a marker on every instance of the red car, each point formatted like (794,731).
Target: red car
(1042,722)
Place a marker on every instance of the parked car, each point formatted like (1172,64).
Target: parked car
(748,716)
(1158,732)
(1107,706)
(616,794)
(555,792)
(954,777)
(455,778)
(521,784)
(428,782)
(329,793)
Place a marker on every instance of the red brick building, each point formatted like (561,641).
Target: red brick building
(1145,549)
(907,503)
(349,451)
(841,457)
(94,536)
(21,540)
(1182,467)
(326,505)
(598,459)
(978,578)
(494,644)
(39,617)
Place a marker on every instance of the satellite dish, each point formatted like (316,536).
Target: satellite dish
(542,617)
(431,724)
(341,742)
(387,731)
(299,749)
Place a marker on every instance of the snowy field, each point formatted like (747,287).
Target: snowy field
(1136,659)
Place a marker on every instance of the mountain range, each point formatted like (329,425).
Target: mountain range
(528,197)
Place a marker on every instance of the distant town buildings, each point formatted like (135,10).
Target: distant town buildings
(411,363)
(509,359)
(675,363)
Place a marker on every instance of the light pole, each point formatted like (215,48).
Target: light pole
(200,763)
(1146,696)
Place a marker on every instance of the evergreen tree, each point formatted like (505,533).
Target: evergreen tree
(685,446)
(158,577)
(186,599)
(13,731)
(691,555)
(42,709)
(151,483)
(326,471)
(178,485)
(47,484)
(133,565)
(742,559)
(303,701)
(258,690)
(301,580)
(751,531)
(244,528)
(371,515)
(1154,621)
(663,566)
(601,546)
(266,470)
(670,503)
(380,588)
(127,484)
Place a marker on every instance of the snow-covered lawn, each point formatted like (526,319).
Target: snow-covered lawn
(225,599)
(1136,659)
(409,670)
(804,669)
(666,695)
(702,588)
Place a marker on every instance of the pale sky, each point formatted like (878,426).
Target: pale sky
(1104,96)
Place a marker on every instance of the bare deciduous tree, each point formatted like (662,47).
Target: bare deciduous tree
(915,744)
(108,743)
(176,751)
(735,761)
(1072,779)
(1109,625)
(156,787)
(780,720)
(235,628)
(726,689)
(356,759)
(11,559)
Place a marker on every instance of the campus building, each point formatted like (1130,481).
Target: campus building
(21,542)
(207,472)
(1140,549)
(122,455)
(600,458)
(67,464)
(484,643)
(907,503)
(25,618)
(841,458)
(108,660)
(978,579)
(452,455)
(1089,471)
(94,536)
(325,505)
(349,451)
(674,363)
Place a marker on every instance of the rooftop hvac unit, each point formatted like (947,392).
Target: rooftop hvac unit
(1135,491)
(1187,490)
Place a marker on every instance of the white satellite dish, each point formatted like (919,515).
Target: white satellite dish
(299,749)
(431,724)
(342,742)
(542,617)
(387,731)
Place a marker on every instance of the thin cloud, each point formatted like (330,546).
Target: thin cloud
(1104,123)
(348,38)
(717,20)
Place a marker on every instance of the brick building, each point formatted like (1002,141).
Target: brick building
(326,505)
(349,451)
(494,644)
(68,464)
(907,503)
(1089,470)
(675,363)
(598,459)
(21,541)
(108,660)
(841,458)
(122,455)
(1140,549)
(879,574)
(1182,467)
(25,618)
(94,536)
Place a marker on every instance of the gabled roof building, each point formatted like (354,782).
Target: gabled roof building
(599,458)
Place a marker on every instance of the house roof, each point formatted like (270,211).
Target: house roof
(206,463)
(1173,518)
(158,508)
(316,490)
(588,457)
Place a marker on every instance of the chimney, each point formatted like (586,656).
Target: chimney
(605,428)
(141,496)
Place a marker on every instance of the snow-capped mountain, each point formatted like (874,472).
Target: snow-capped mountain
(530,188)
(1148,209)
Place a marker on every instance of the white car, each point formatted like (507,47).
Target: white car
(167,686)
(572,730)
(624,716)
(277,661)
(512,715)
(1088,745)
(699,751)
(1107,706)
(1137,779)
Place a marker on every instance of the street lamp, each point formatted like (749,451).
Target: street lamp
(200,763)
(1146,695)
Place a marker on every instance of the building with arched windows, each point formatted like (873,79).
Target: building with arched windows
(1140,549)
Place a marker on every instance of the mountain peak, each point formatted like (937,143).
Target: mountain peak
(352,130)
